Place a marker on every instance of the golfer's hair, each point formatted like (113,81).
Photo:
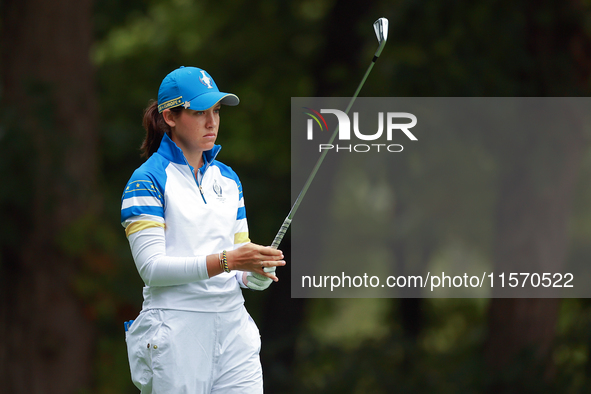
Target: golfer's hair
(155,127)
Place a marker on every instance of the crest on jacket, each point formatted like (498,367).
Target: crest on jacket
(217,189)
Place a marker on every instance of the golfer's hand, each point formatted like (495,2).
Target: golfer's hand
(261,260)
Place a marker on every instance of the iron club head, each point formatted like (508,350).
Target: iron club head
(381,28)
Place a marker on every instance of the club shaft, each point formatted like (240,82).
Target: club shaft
(298,201)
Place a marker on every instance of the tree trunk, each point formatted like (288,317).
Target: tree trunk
(531,236)
(50,113)
(532,228)
(536,193)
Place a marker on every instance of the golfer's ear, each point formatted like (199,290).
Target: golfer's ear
(168,116)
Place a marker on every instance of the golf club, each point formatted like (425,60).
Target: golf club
(381,29)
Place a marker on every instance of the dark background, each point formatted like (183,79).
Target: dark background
(75,77)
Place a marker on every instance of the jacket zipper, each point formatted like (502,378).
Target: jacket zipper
(197,179)
(199,185)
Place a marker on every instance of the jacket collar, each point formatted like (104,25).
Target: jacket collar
(171,152)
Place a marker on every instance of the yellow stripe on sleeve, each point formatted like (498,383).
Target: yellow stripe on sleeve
(141,225)
(240,238)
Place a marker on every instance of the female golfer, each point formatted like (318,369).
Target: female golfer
(185,220)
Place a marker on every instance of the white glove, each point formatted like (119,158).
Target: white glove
(259,282)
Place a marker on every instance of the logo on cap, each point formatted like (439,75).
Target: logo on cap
(205,80)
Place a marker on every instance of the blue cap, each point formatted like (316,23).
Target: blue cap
(192,88)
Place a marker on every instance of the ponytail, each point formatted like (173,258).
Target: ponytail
(155,127)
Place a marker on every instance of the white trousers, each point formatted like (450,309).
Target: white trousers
(181,352)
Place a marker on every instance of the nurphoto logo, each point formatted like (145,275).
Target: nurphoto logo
(392,121)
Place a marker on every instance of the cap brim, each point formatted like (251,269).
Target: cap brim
(208,100)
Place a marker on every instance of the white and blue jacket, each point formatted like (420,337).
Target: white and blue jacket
(188,217)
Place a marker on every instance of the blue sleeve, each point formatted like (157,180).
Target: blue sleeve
(143,195)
